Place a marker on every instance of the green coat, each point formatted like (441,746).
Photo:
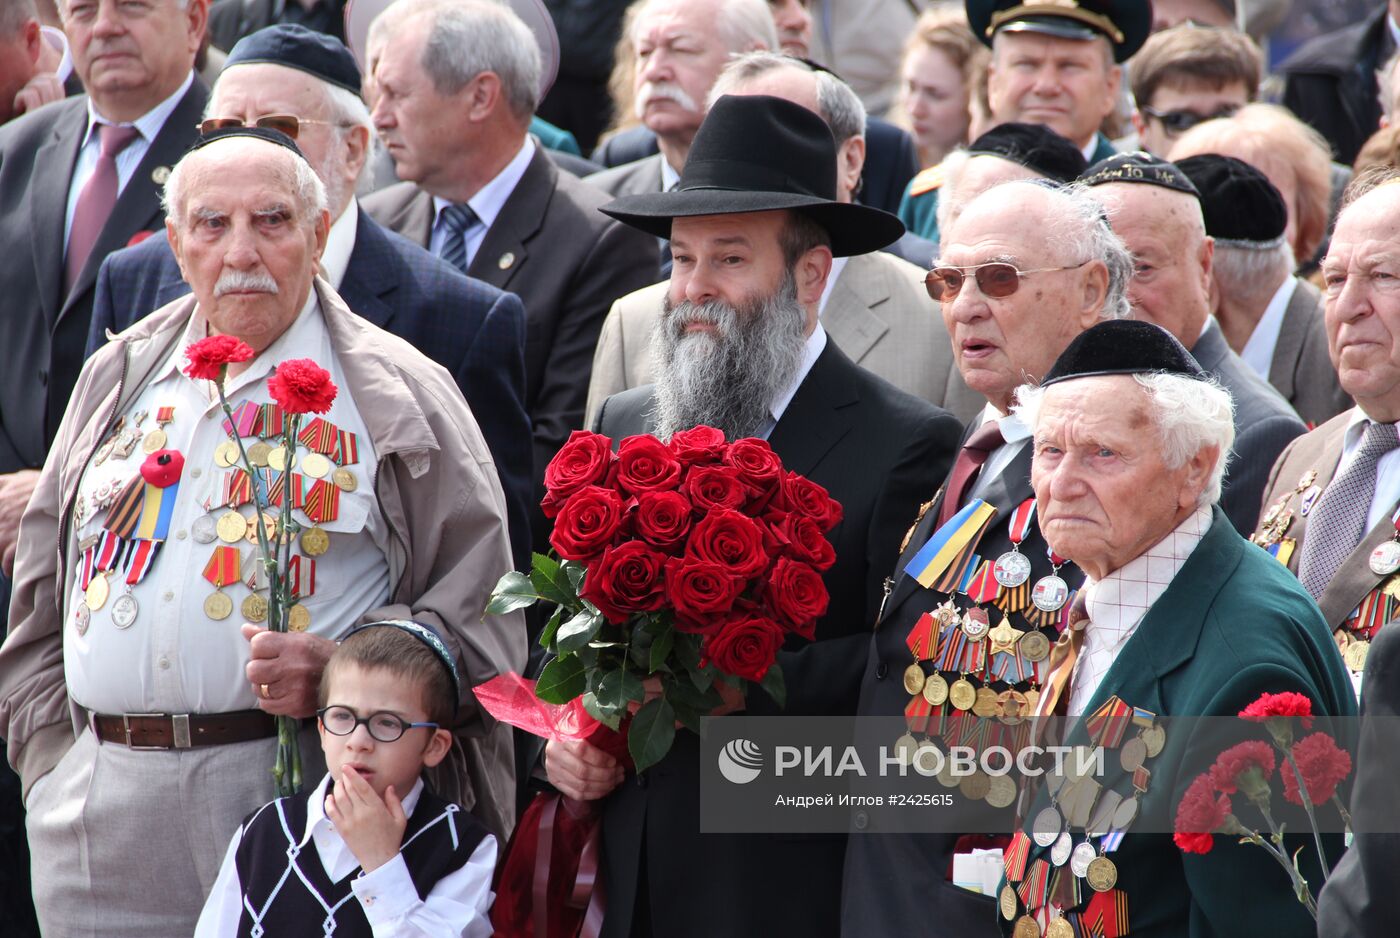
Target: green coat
(1232,625)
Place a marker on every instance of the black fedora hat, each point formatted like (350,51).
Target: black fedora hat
(756,153)
(1124,23)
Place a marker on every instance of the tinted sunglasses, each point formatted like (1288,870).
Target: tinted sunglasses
(288,124)
(1178,122)
(996,279)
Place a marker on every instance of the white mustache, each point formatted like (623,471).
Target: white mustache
(237,280)
(663,90)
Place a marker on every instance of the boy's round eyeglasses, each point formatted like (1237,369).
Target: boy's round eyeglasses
(383,726)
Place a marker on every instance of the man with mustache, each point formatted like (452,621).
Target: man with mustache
(754,224)
(137,703)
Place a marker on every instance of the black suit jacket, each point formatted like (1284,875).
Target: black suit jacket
(1330,83)
(890,159)
(876,449)
(472,329)
(46,332)
(567,262)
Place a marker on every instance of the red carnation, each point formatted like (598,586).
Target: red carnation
(801,538)
(759,467)
(1201,813)
(584,460)
(662,519)
(301,386)
(586,523)
(625,580)
(802,495)
(698,445)
(797,595)
(1323,765)
(711,487)
(207,358)
(701,593)
(645,464)
(745,646)
(731,539)
(1244,767)
(1280,705)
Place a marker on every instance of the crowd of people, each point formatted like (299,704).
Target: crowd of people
(1075,285)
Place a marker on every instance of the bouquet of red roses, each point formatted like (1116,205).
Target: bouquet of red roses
(687,562)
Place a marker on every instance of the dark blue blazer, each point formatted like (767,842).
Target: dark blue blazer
(471,328)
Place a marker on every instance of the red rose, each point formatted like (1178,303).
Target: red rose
(644,464)
(626,579)
(802,495)
(800,538)
(711,487)
(759,468)
(701,593)
(1243,759)
(1283,705)
(745,646)
(698,445)
(1323,765)
(797,595)
(662,519)
(208,357)
(301,386)
(1201,813)
(731,539)
(584,460)
(587,522)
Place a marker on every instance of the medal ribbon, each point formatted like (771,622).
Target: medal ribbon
(87,567)
(347,448)
(1111,841)
(916,713)
(1108,723)
(1014,599)
(271,422)
(1017,853)
(1021,521)
(164,415)
(319,435)
(949,541)
(1107,913)
(301,573)
(920,640)
(1009,667)
(107,551)
(1144,718)
(158,504)
(322,502)
(296,489)
(969,569)
(244,416)
(1032,888)
(224,566)
(126,509)
(984,586)
(238,489)
(1375,610)
(1064,892)
(142,559)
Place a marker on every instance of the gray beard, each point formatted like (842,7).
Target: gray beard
(726,379)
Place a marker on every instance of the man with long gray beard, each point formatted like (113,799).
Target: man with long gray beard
(754,225)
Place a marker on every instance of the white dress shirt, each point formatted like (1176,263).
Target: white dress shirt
(458,904)
(149,125)
(340,244)
(1259,350)
(1117,603)
(669,176)
(174,658)
(1017,436)
(1387,469)
(816,343)
(487,203)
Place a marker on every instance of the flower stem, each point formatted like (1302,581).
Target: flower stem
(1342,810)
(1308,807)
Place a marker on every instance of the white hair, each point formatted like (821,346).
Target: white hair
(1250,272)
(837,102)
(740,24)
(1190,414)
(310,191)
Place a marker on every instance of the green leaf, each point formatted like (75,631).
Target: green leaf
(618,687)
(574,571)
(689,716)
(544,563)
(774,684)
(552,584)
(551,627)
(683,693)
(561,680)
(514,591)
(661,650)
(612,720)
(578,631)
(652,731)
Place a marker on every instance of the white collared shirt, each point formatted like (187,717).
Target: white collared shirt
(174,658)
(487,203)
(816,343)
(1016,436)
(1387,469)
(1258,352)
(148,124)
(340,244)
(1117,603)
(838,264)
(669,175)
(457,904)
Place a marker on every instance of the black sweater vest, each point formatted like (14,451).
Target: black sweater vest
(288,887)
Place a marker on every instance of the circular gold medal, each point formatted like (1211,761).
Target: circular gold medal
(946,776)
(153,441)
(1032,701)
(1133,754)
(976,785)
(218,606)
(298,619)
(913,675)
(231,527)
(97,591)
(1355,655)
(226,454)
(269,528)
(962,694)
(1033,646)
(315,465)
(1154,738)
(1059,928)
(258,453)
(280,460)
(254,608)
(984,704)
(1025,928)
(906,746)
(1007,902)
(1101,874)
(344,480)
(315,542)
(936,689)
(1001,793)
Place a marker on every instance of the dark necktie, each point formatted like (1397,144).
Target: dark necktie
(974,453)
(1338,521)
(457,220)
(96,201)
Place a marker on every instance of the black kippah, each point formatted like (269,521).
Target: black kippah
(1241,207)
(1141,168)
(292,45)
(1124,347)
(1034,146)
(259,133)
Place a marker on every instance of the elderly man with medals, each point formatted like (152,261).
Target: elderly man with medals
(138,706)
(1179,616)
(976,598)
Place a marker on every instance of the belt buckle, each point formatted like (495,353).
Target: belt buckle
(126,727)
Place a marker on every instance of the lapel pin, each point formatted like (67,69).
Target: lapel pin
(507,259)
(160,174)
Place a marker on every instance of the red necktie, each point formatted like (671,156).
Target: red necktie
(96,201)
(974,453)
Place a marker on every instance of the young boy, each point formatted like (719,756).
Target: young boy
(369,851)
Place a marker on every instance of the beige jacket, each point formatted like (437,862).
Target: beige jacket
(436,487)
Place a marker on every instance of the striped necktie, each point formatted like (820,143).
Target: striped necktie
(96,201)
(456,221)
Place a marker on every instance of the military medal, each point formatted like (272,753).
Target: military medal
(1013,567)
(1033,645)
(1025,928)
(905,747)
(226,454)
(961,694)
(1133,754)
(920,637)
(946,614)
(1060,850)
(1154,737)
(1079,860)
(315,542)
(1006,901)
(97,591)
(1059,927)
(125,610)
(223,568)
(1011,707)
(344,480)
(1051,591)
(975,624)
(1046,827)
(280,459)
(82,618)
(129,436)
(157,438)
(1003,637)
(984,703)
(298,618)
(231,527)
(1127,810)
(204,530)
(1101,874)
(110,443)
(1309,497)
(1385,559)
(254,608)
(975,785)
(258,453)
(1355,655)
(1001,793)
(315,465)
(935,689)
(914,678)
(218,606)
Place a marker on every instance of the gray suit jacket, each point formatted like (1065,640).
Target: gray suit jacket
(634,178)
(1302,366)
(878,314)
